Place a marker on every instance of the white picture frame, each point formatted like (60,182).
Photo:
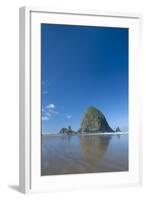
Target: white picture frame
(29,177)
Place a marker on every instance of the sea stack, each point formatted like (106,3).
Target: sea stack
(67,131)
(118,129)
(94,121)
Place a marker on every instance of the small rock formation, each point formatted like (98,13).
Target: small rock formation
(118,129)
(63,130)
(67,131)
(94,122)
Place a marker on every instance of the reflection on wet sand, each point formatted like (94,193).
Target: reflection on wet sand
(93,147)
(83,154)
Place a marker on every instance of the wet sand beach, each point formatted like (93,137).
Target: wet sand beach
(83,154)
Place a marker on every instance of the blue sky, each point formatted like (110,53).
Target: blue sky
(83,66)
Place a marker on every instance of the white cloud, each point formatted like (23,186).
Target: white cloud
(69,116)
(48,111)
(51,105)
(45,118)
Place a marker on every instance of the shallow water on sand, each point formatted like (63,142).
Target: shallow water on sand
(84,154)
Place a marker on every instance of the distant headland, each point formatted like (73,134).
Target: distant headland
(93,121)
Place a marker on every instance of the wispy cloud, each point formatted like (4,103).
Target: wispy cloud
(53,112)
(45,115)
(69,116)
(48,114)
(51,105)
(45,118)
(48,111)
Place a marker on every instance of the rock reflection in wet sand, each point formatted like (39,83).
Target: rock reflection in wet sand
(83,154)
(93,147)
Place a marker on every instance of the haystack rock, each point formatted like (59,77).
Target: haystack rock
(94,121)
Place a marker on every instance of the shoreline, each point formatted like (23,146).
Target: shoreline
(85,134)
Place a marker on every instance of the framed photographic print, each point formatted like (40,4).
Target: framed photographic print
(80,99)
